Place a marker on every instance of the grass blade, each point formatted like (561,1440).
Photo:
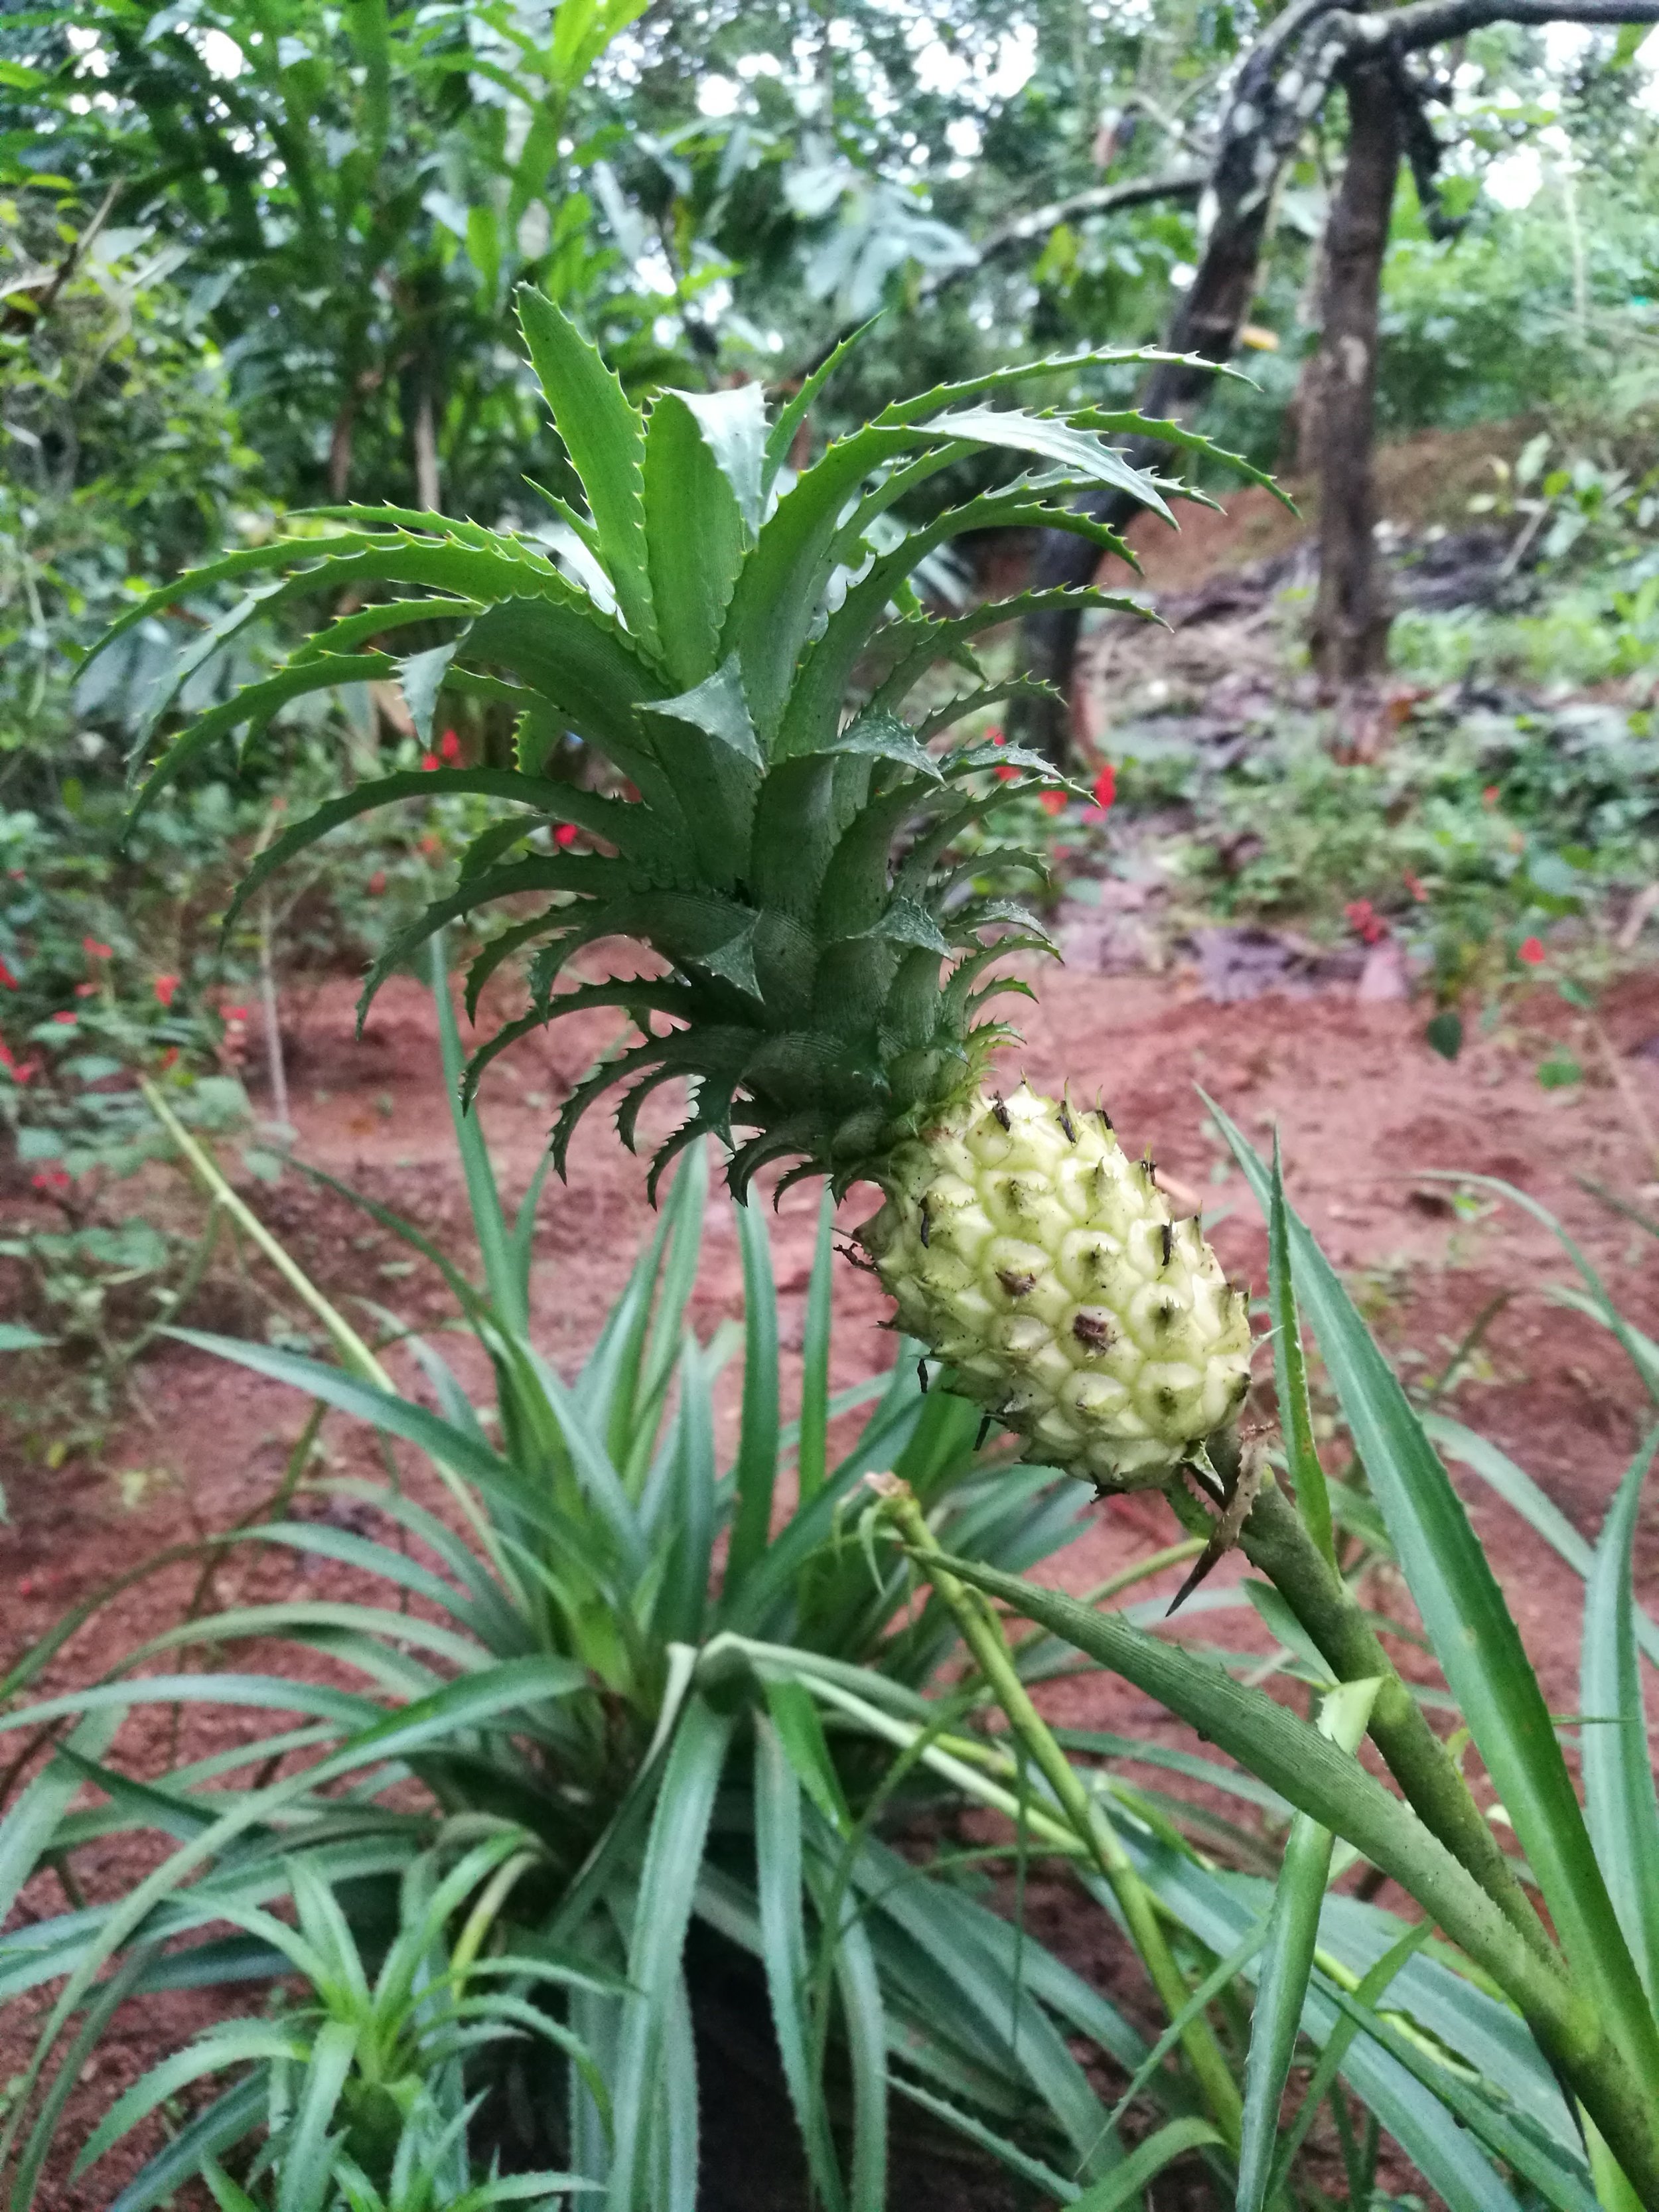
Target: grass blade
(1313,1499)
(812,1458)
(783,1953)
(1369,1992)
(864,2017)
(758,1447)
(508,1291)
(662,1911)
(1620,1799)
(1287,1963)
(1145,2163)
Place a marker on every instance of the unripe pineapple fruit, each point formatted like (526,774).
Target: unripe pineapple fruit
(747,651)
(1041,1264)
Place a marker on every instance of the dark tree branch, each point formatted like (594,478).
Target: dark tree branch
(1430,22)
(1026,229)
(1099,199)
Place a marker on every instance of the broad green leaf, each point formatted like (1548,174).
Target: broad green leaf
(221,2125)
(696,525)
(308,2154)
(1079,451)
(231,2043)
(1562,2181)
(1620,1799)
(30,1823)
(716,707)
(864,2020)
(589,673)
(256,703)
(421,679)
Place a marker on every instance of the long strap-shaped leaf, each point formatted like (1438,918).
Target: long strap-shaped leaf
(1319,1779)
(1474,1638)
(1292,1932)
(662,1912)
(1618,1785)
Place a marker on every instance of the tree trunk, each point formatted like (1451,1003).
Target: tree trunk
(1351,614)
(1207,323)
(1279,90)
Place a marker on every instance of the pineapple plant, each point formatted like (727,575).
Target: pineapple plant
(748,652)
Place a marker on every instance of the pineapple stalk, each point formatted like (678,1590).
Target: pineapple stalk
(1276,1543)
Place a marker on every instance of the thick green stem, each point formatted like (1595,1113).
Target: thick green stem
(982,1632)
(1274,1541)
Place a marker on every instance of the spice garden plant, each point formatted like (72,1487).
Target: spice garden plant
(740,654)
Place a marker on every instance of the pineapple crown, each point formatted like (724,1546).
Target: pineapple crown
(742,648)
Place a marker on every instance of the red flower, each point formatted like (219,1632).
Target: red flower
(429,761)
(1414,886)
(94,950)
(1530,950)
(1105,788)
(7,980)
(450,745)
(1366,922)
(1053,802)
(431,847)
(19,1071)
(164,988)
(67,1020)
(169,1059)
(51,1179)
(565,833)
(86,990)
(377,883)
(233,1013)
(1489,796)
(1005,771)
(993,735)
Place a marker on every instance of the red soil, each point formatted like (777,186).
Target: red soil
(1364,1108)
